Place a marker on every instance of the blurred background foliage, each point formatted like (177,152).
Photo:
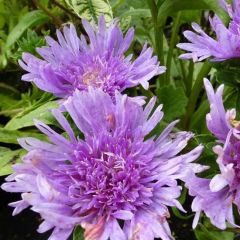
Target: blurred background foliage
(25,23)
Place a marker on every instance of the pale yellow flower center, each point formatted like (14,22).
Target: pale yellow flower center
(92,79)
(235,123)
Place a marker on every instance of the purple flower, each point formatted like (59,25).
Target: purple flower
(216,205)
(72,63)
(216,196)
(114,173)
(218,120)
(227,43)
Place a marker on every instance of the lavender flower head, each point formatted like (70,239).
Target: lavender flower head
(227,42)
(216,196)
(71,63)
(113,174)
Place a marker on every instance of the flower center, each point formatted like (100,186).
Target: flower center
(235,123)
(114,163)
(91,78)
(109,175)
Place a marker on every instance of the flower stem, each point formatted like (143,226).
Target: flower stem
(182,65)
(189,79)
(173,40)
(158,34)
(197,87)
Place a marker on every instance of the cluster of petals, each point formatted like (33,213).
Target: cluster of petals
(113,173)
(225,46)
(98,61)
(216,196)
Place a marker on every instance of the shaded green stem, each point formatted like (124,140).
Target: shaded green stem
(197,87)
(182,66)
(157,32)
(189,79)
(173,40)
(158,35)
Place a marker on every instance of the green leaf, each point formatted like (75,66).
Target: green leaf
(78,233)
(137,3)
(8,158)
(29,44)
(198,120)
(170,7)
(228,72)
(8,105)
(202,233)
(191,16)
(2,19)
(174,102)
(125,23)
(41,113)
(136,12)
(91,9)
(229,77)
(29,20)
(11,136)
(208,157)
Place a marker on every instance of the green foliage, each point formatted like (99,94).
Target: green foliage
(170,7)
(25,119)
(207,158)
(8,158)
(15,19)
(29,43)
(91,9)
(30,19)
(174,102)
(202,233)
(198,120)
(228,72)
(11,136)
(11,12)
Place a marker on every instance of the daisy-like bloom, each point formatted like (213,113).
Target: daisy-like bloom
(227,42)
(115,173)
(72,63)
(216,196)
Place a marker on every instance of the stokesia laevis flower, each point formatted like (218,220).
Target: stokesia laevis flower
(227,42)
(216,196)
(113,174)
(72,63)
